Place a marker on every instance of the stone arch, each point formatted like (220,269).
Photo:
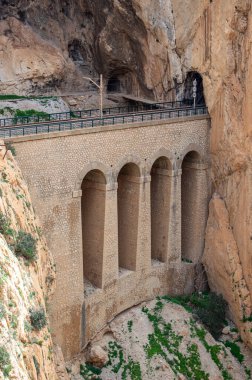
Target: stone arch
(93,203)
(128,195)
(160,153)
(130,159)
(160,207)
(193,202)
(199,154)
(95,165)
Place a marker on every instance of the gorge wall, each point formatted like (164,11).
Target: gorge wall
(26,353)
(45,46)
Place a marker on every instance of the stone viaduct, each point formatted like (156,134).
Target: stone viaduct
(124,210)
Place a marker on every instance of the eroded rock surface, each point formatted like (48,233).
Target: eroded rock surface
(23,287)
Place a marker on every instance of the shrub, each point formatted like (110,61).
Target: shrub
(38,319)
(25,246)
(2,311)
(10,147)
(5,224)
(5,364)
(209,308)
(235,350)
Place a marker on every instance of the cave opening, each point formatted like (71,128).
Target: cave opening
(114,84)
(76,51)
(188,89)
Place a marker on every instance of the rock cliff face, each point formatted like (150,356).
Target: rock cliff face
(148,47)
(25,352)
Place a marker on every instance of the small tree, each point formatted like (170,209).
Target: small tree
(25,246)
(38,318)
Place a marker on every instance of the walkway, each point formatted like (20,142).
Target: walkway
(88,118)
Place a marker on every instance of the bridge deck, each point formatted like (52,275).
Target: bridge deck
(131,118)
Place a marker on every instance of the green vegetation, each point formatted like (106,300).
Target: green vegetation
(166,343)
(247,319)
(16,97)
(88,371)
(209,308)
(19,115)
(128,369)
(235,350)
(11,97)
(5,226)
(10,147)
(38,319)
(5,364)
(13,321)
(184,260)
(36,364)
(2,311)
(214,350)
(248,373)
(25,246)
(130,324)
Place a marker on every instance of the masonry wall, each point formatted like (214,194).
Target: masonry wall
(54,168)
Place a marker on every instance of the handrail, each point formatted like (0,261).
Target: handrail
(19,120)
(97,122)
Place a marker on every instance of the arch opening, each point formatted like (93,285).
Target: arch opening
(190,198)
(160,208)
(128,213)
(188,89)
(93,221)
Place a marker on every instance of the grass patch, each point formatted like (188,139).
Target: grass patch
(17,97)
(2,311)
(130,324)
(209,308)
(235,350)
(166,343)
(12,97)
(5,363)
(5,226)
(20,115)
(10,147)
(214,350)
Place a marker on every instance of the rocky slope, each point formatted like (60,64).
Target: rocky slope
(161,340)
(26,350)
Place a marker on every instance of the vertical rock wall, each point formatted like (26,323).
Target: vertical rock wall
(24,286)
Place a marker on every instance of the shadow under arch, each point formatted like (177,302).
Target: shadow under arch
(160,208)
(93,202)
(193,204)
(128,194)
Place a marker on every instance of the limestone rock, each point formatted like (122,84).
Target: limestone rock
(226,330)
(224,268)
(98,356)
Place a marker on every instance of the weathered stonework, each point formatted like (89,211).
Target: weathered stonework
(116,162)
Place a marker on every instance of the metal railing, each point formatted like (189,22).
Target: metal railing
(97,122)
(20,120)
